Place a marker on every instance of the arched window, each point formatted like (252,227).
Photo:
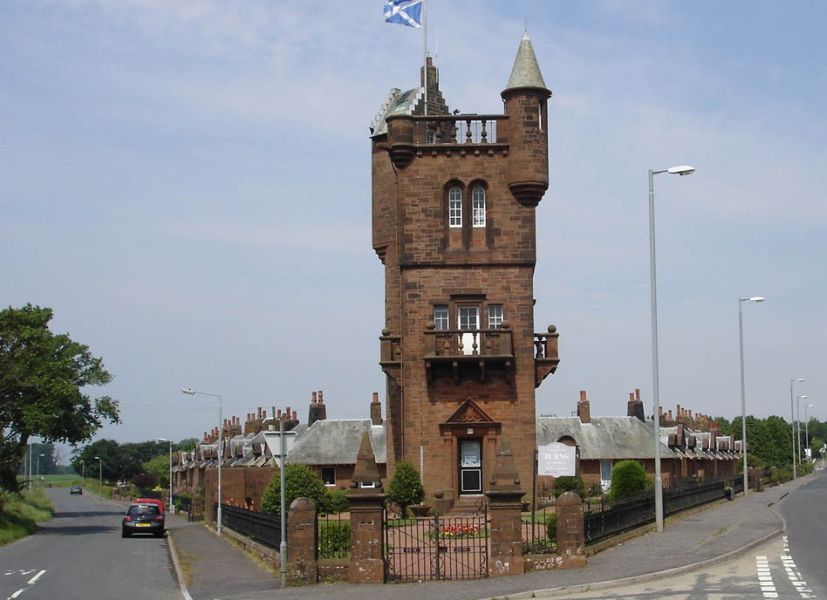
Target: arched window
(478,206)
(455,207)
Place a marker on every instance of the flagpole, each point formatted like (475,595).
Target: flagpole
(425,45)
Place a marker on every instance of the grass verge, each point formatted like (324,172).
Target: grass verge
(20,513)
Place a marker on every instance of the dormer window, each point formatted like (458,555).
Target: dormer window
(478,206)
(455,207)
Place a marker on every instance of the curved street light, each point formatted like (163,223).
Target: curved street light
(191,392)
(679,170)
(169,507)
(792,420)
(743,389)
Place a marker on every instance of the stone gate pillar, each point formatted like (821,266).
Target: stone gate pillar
(505,503)
(571,541)
(302,542)
(367,551)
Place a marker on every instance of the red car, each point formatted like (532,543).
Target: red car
(155,501)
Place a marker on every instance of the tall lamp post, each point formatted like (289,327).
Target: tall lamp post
(798,400)
(169,506)
(100,475)
(679,170)
(743,388)
(39,456)
(792,420)
(83,471)
(192,392)
(807,431)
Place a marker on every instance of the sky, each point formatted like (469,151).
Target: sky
(187,185)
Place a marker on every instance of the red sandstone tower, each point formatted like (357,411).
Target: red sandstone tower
(454,200)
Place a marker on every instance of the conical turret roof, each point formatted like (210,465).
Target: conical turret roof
(526,71)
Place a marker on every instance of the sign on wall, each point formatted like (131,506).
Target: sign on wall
(556,459)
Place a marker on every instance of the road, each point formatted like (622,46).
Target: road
(80,555)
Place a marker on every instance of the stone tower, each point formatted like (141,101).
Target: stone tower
(454,200)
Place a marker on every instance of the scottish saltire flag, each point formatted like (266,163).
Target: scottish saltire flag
(404,12)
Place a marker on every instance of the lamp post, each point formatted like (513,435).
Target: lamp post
(679,170)
(807,431)
(743,389)
(169,507)
(37,476)
(191,392)
(100,475)
(83,471)
(798,425)
(792,419)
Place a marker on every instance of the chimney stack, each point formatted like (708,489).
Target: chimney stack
(375,410)
(324,406)
(316,410)
(583,408)
(635,406)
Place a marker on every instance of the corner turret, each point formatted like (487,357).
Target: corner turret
(526,98)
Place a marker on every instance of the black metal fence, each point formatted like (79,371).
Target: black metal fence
(262,527)
(334,536)
(605,519)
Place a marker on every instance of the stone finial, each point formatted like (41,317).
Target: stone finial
(505,477)
(366,470)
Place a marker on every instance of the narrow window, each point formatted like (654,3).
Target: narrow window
(469,318)
(455,207)
(441,317)
(478,206)
(430,136)
(495,316)
(329,476)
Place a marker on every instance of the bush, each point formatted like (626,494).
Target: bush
(551,527)
(406,486)
(300,481)
(336,501)
(628,479)
(568,483)
(21,512)
(334,539)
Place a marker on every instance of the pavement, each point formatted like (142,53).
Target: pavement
(212,568)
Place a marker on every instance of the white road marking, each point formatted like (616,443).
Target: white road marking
(34,579)
(762,567)
(793,574)
(16,594)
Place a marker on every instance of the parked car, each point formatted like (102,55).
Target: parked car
(76,489)
(155,501)
(143,518)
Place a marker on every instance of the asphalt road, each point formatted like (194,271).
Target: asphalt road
(805,511)
(80,555)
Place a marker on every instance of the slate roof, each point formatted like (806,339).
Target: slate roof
(526,70)
(336,442)
(397,103)
(603,438)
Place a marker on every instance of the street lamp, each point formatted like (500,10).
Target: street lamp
(169,508)
(191,392)
(83,471)
(792,419)
(37,476)
(798,425)
(807,431)
(100,475)
(679,170)
(743,390)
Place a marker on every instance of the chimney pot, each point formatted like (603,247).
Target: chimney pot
(313,398)
(321,396)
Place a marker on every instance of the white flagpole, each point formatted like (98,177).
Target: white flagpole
(425,44)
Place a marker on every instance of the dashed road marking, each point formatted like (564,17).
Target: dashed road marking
(793,574)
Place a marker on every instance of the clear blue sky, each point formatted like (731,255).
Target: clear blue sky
(187,184)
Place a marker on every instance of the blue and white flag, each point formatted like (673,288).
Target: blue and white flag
(404,12)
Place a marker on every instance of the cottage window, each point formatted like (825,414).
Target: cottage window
(329,476)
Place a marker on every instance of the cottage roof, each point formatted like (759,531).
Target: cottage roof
(603,437)
(336,442)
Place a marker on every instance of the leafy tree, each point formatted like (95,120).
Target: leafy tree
(816,444)
(187,445)
(568,483)
(158,467)
(628,479)
(42,378)
(406,486)
(121,462)
(300,481)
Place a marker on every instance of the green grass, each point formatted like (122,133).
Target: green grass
(20,513)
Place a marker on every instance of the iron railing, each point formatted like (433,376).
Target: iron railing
(264,528)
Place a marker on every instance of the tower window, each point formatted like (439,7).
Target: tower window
(441,317)
(430,136)
(495,316)
(455,207)
(478,206)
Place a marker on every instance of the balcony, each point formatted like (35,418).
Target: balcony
(390,354)
(474,134)
(546,358)
(461,350)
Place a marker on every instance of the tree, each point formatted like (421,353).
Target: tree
(300,481)
(406,486)
(158,467)
(42,378)
(628,479)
